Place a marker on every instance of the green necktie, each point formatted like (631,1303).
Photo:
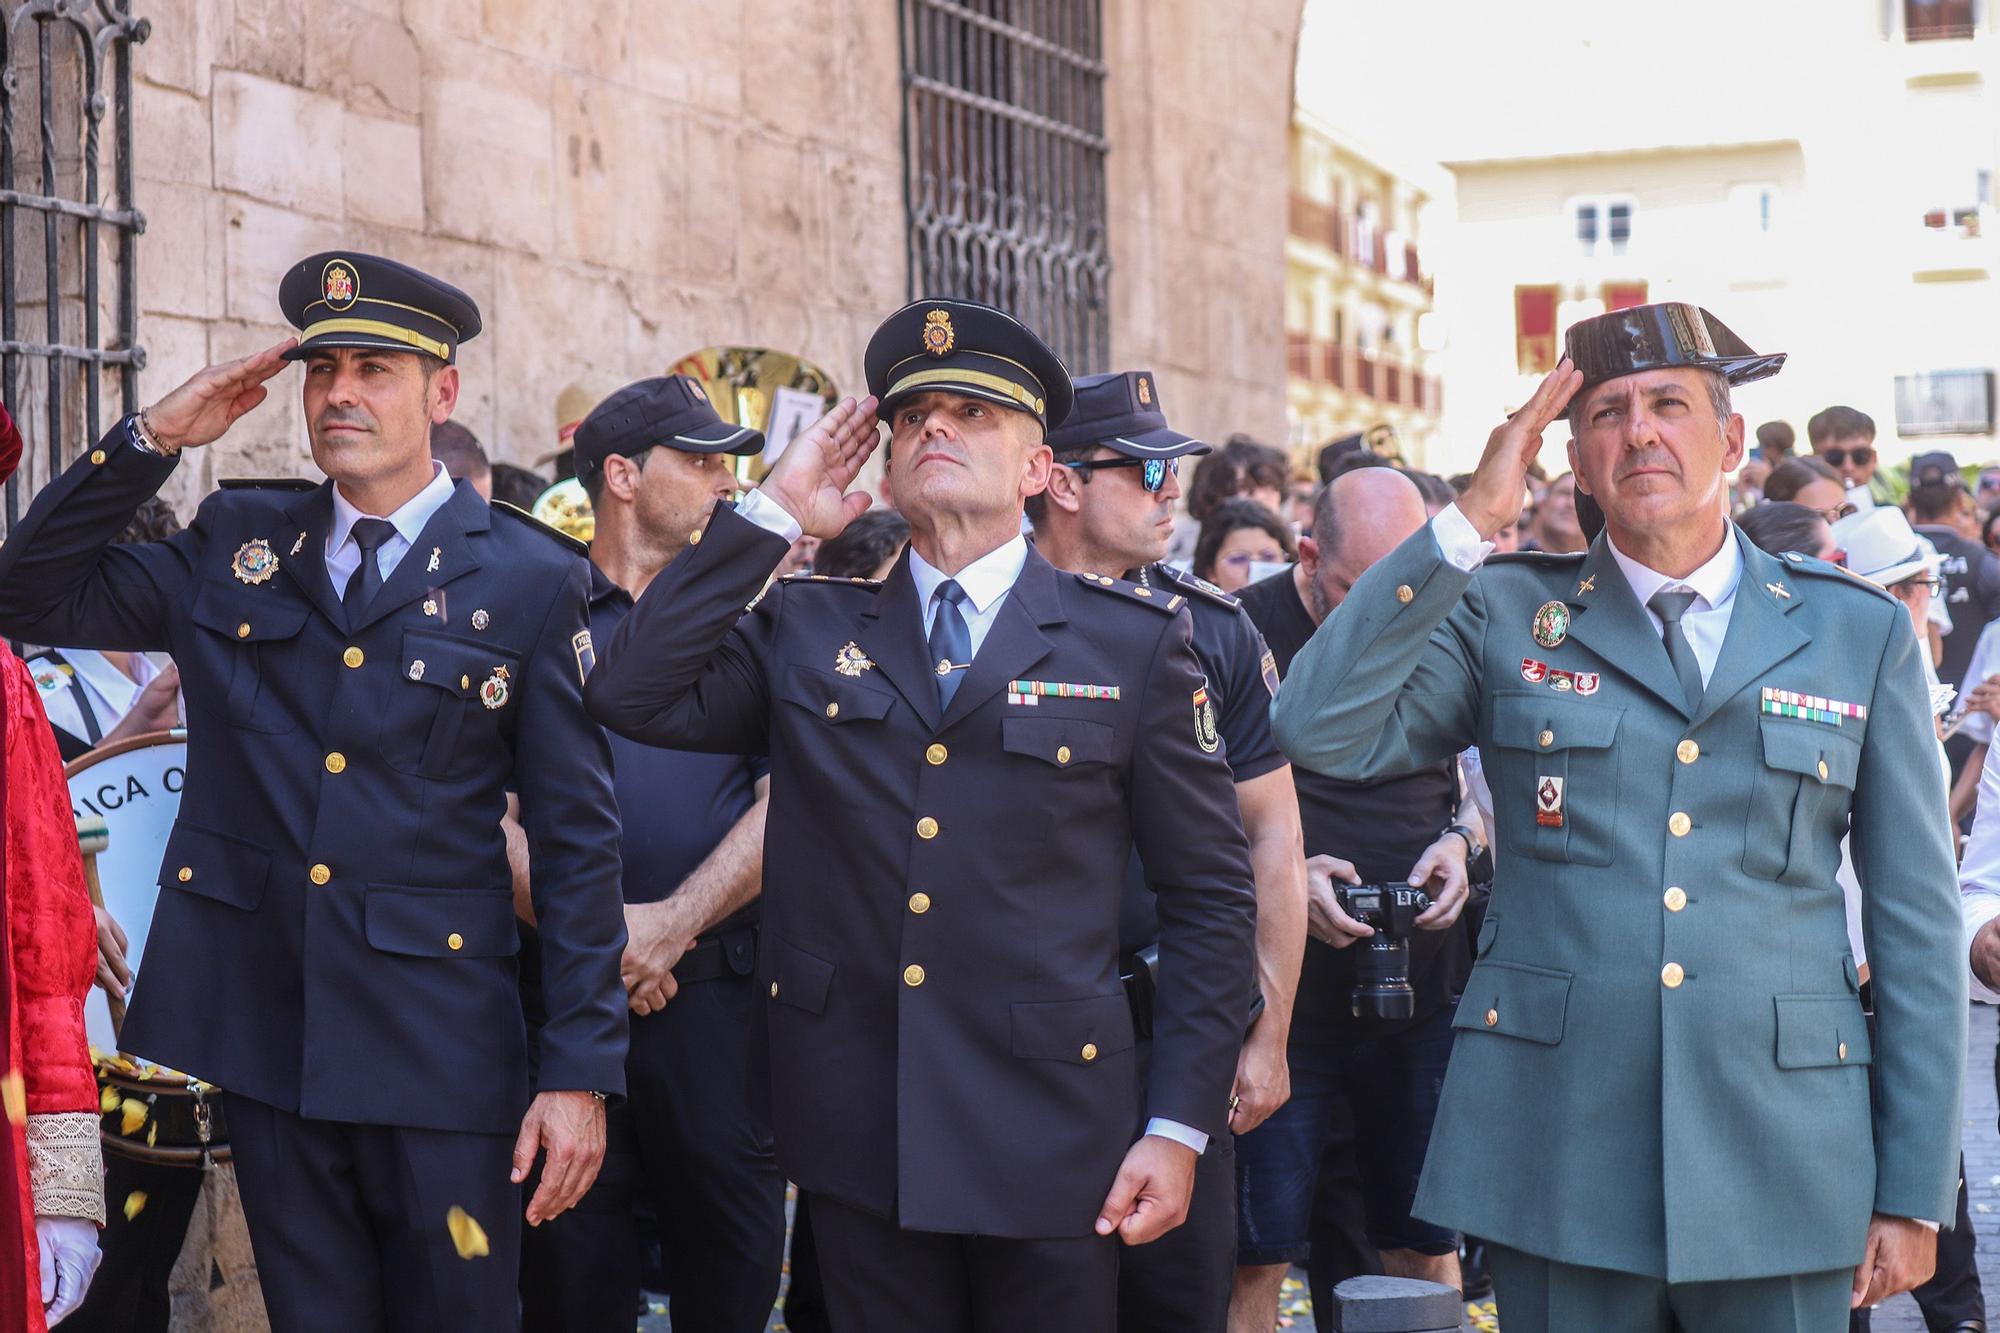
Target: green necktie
(1670,606)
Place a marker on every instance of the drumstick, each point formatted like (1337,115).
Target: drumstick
(93,837)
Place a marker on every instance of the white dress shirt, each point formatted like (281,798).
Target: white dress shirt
(1979,870)
(108,692)
(343,553)
(1985,663)
(986,582)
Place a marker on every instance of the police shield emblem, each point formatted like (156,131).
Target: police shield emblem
(254,561)
(339,284)
(1551,624)
(939,338)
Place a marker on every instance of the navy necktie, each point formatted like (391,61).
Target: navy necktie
(1670,606)
(950,640)
(369,534)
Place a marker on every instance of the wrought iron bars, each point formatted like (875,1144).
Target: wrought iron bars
(1003,150)
(66,46)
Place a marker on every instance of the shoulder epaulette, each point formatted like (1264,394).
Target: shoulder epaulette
(568,542)
(854,582)
(1194,586)
(1158,598)
(267,484)
(1826,569)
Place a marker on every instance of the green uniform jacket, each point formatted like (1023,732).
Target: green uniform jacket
(1663,1067)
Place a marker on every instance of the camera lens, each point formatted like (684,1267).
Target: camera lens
(1382,978)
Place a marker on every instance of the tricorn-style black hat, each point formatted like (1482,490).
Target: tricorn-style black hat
(1652,337)
(670,410)
(969,348)
(342,298)
(1122,412)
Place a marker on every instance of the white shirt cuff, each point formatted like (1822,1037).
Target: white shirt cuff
(1179,1133)
(1458,541)
(1980,906)
(769,515)
(1925,1223)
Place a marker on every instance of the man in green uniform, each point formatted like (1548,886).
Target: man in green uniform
(1660,1109)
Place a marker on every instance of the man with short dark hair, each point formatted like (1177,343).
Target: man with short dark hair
(1971,573)
(463,456)
(1845,438)
(1775,441)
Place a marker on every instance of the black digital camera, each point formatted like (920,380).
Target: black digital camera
(1382,961)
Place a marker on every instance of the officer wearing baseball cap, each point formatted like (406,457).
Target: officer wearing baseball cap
(669,410)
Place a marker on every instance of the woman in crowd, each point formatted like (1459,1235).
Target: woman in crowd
(1237,536)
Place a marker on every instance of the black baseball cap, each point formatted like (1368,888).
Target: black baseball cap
(670,410)
(1122,412)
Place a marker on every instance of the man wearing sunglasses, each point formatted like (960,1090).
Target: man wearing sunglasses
(1108,511)
(1845,438)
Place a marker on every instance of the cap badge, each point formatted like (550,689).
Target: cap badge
(939,338)
(1551,624)
(254,562)
(694,387)
(1145,392)
(339,284)
(493,690)
(851,661)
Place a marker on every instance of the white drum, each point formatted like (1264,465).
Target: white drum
(135,787)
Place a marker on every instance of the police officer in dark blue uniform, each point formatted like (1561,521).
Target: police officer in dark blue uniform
(1109,510)
(962,759)
(693,1137)
(369,664)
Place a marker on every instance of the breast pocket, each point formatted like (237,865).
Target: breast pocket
(248,631)
(1555,787)
(1800,803)
(448,716)
(844,706)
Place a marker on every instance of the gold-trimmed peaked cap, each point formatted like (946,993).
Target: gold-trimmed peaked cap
(342,298)
(952,346)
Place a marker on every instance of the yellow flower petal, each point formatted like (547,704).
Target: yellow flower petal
(14,1097)
(153,1134)
(466,1234)
(134,1115)
(107,1101)
(135,1204)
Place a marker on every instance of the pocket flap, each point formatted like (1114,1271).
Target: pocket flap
(1061,741)
(248,614)
(1521,721)
(441,923)
(1811,749)
(835,698)
(1515,1000)
(1077,1031)
(458,666)
(1489,931)
(1819,1030)
(798,978)
(215,865)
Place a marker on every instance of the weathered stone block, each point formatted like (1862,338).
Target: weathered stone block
(178,272)
(621,197)
(258,244)
(782,216)
(172,139)
(384,172)
(277,143)
(267,37)
(369,61)
(488,139)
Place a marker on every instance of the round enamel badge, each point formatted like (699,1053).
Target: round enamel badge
(1551,624)
(493,691)
(339,284)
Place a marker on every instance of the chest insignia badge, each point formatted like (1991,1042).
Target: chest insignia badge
(432,567)
(1551,624)
(299,545)
(1588,585)
(851,661)
(1534,672)
(1549,803)
(493,691)
(1205,734)
(1779,590)
(430,606)
(254,562)
(1586,682)
(480,620)
(417,669)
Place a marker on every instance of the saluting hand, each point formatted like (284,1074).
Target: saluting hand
(209,404)
(811,477)
(1493,500)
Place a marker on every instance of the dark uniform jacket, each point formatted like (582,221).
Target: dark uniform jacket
(951,1043)
(335,930)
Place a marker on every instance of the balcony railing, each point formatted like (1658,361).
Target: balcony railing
(1343,232)
(1382,378)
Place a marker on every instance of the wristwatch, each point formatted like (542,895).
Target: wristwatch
(1472,847)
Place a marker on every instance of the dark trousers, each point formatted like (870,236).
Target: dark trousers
(805,1299)
(129,1293)
(348,1223)
(1180,1283)
(693,1134)
(881,1278)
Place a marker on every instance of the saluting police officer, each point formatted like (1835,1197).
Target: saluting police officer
(962,759)
(369,664)
(1658,1108)
(1109,510)
(694,1134)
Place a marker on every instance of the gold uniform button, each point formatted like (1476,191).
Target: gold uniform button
(319,874)
(1676,898)
(913,975)
(187,873)
(927,828)
(1843,1050)
(1679,824)
(243,630)
(833,710)
(1546,739)
(1822,770)
(97,457)
(1405,594)
(1142,592)
(454,941)
(1089,1051)
(774,990)
(1492,1017)
(1671,975)
(920,903)
(352,658)
(1062,754)
(936,754)
(1687,752)
(336,762)
(694,538)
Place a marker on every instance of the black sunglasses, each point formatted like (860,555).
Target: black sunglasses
(1862,455)
(1152,478)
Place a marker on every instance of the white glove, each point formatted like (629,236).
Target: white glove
(69,1260)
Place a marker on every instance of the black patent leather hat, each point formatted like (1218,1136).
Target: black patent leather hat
(1653,337)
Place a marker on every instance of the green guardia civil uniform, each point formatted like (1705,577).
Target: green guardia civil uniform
(1662,1066)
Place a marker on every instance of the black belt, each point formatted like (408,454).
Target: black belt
(733,953)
